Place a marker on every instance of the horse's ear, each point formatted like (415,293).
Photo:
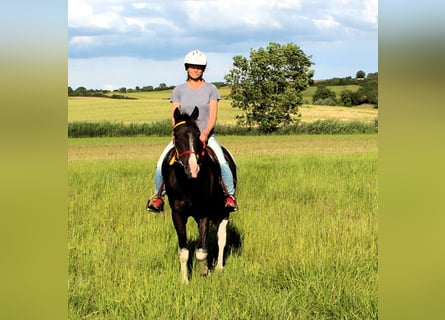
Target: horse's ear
(195,113)
(176,114)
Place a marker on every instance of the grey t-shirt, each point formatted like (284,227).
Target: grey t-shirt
(189,98)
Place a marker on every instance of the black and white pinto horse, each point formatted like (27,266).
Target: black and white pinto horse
(193,185)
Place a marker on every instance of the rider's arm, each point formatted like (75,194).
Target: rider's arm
(213,114)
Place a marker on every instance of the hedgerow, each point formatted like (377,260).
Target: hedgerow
(164,128)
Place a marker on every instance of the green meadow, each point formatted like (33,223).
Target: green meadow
(302,246)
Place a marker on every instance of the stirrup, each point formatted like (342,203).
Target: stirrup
(156,204)
(230,203)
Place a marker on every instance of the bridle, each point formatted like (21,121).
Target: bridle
(178,154)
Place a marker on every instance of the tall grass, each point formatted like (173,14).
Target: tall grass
(302,246)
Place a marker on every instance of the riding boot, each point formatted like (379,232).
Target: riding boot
(230,200)
(156,203)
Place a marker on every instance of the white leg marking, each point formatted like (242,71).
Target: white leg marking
(222,238)
(183,258)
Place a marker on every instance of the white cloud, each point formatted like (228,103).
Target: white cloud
(79,12)
(85,14)
(82,41)
(151,23)
(370,12)
(288,4)
(140,5)
(326,23)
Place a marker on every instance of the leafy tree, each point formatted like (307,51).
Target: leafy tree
(268,87)
(346,98)
(360,74)
(323,93)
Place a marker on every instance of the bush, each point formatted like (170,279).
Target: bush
(326,102)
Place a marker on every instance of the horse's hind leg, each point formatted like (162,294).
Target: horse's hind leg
(222,238)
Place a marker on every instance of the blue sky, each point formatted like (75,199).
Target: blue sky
(129,43)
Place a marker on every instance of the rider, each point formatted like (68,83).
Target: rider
(196,92)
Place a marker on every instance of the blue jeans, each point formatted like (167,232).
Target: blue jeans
(226,173)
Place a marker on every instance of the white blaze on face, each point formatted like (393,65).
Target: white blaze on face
(193,161)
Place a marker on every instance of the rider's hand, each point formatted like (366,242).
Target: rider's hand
(203,137)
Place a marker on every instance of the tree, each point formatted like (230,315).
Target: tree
(360,74)
(346,98)
(269,86)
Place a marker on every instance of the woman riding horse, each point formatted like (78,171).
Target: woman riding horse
(196,92)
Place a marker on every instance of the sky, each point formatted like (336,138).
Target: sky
(128,43)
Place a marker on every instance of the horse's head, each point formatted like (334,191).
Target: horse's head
(189,147)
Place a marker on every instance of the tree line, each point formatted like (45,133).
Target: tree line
(84,92)
(118,93)
(367,93)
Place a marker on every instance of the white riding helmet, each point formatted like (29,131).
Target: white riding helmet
(196,58)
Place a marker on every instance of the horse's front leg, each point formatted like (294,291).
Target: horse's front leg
(183,252)
(201,250)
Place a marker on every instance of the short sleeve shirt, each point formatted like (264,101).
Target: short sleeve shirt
(189,98)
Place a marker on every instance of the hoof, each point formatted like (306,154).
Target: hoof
(204,270)
(205,273)
(219,268)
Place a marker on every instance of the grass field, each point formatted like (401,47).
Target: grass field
(302,246)
(155,106)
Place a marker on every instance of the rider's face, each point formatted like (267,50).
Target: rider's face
(195,72)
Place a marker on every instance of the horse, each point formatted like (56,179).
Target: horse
(193,186)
